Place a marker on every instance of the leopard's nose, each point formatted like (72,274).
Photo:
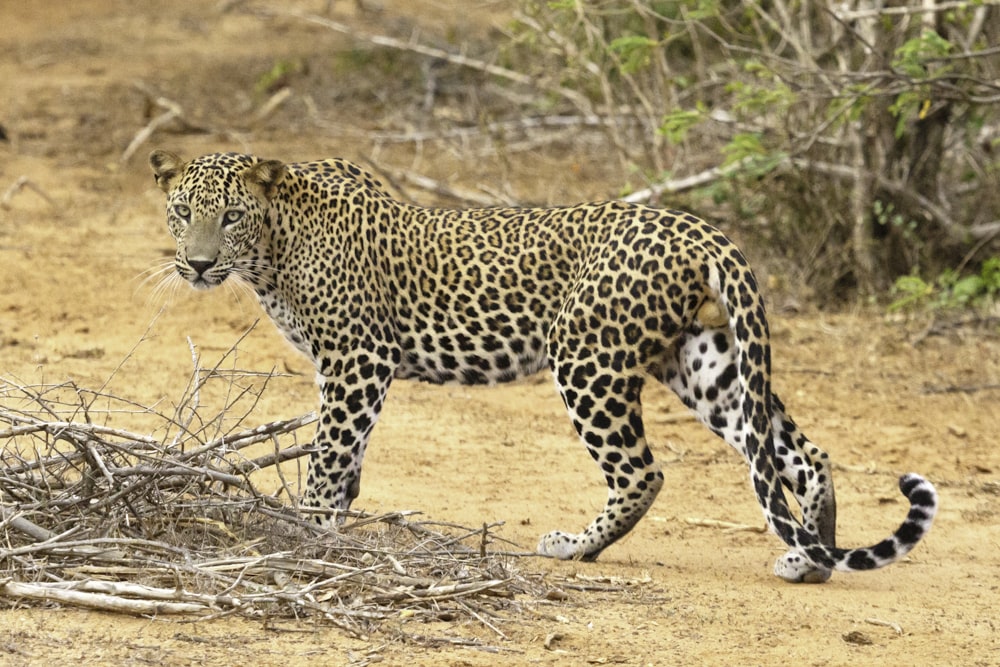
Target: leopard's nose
(200,266)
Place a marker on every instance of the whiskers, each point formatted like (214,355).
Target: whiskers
(254,273)
(238,287)
(161,281)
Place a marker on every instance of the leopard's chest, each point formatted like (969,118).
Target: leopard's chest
(288,322)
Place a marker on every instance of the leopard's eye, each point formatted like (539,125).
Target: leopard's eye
(182,211)
(231,217)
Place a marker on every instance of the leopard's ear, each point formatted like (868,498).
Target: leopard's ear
(268,175)
(166,166)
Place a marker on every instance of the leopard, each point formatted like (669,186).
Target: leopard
(607,295)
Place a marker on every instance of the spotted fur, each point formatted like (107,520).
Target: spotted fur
(607,295)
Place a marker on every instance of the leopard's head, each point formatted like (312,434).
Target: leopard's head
(217,208)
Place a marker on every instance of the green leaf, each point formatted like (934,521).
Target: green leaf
(967,289)
(743,145)
(913,290)
(913,56)
(675,125)
(635,51)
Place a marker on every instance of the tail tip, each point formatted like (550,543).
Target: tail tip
(908,481)
(918,490)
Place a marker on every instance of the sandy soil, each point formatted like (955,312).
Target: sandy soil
(81,234)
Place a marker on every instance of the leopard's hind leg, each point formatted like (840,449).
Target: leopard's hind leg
(703,373)
(806,471)
(606,412)
(600,369)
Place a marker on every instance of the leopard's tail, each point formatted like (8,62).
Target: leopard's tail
(736,287)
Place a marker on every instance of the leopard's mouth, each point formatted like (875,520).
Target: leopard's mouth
(202,284)
(202,274)
(206,283)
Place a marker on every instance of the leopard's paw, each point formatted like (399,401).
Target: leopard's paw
(794,568)
(557,544)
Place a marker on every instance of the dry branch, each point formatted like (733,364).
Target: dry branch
(171,113)
(726,526)
(100,601)
(24,183)
(886,624)
(462,195)
(414,46)
(675,185)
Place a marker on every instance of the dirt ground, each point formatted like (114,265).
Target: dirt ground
(81,228)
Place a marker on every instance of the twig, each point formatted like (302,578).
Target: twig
(24,183)
(852,15)
(99,601)
(172,111)
(57,428)
(443,592)
(413,46)
(888,624)
(457,193)
(726,526)
(502,127)
(142,136)
(687,183)
(273,103)
(21,524)
(960,389)
(480,617)
(274,458)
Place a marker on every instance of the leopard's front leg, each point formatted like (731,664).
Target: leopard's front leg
(350,402)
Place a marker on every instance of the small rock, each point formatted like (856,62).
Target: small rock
(858,638)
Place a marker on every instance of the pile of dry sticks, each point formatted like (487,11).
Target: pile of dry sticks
(97,516)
